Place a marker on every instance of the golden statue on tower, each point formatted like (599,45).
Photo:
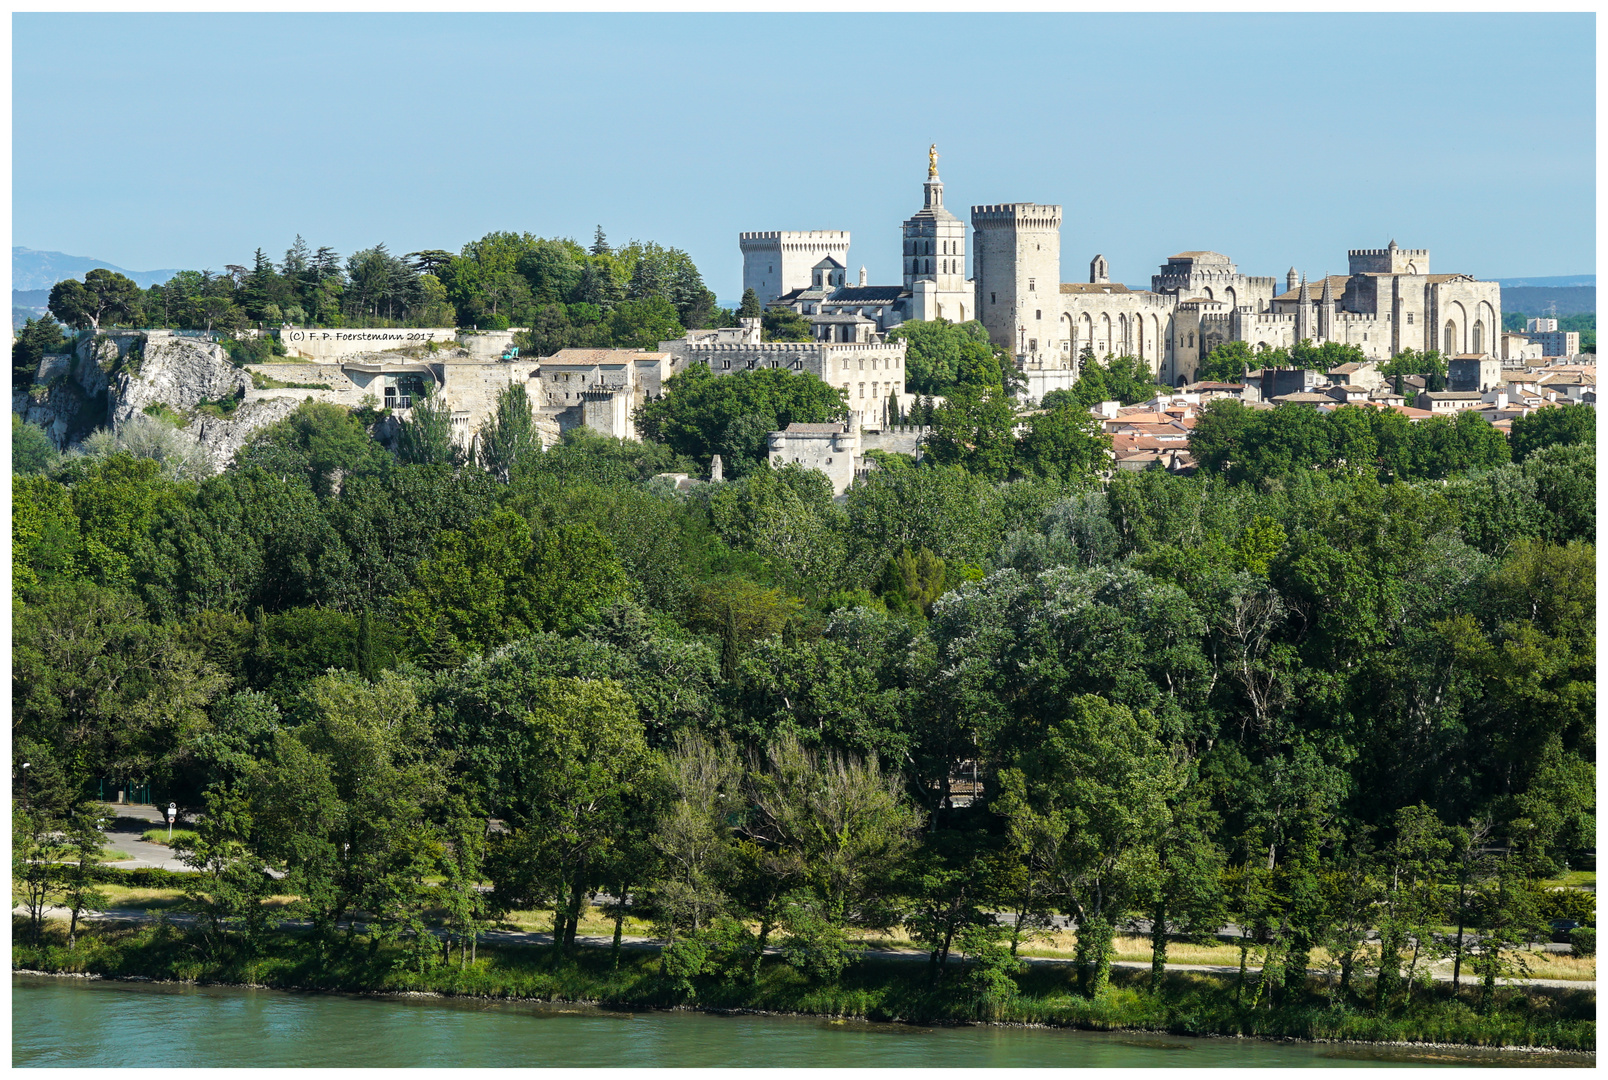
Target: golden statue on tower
(932,162)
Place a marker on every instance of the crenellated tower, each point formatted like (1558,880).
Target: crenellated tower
(1016,264)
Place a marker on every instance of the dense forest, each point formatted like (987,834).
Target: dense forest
(1333,682)
(567,295)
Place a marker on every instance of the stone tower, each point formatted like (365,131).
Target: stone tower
(1099,271)
(1303,313)
(1326,327)
(780,261)
(1016,263)
(1291,280)
(935,240)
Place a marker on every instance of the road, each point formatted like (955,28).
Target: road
(123,835)
(536,937)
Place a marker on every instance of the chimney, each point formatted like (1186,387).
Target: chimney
(862,277)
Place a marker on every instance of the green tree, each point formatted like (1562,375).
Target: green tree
(974,428)
(425,437)
(785,324)
(933,357)
(342,802)
(321,441)
(1095,794)
(32,451)
(102,294)
(643,323)
(749,308)
(1064,441)
(703,414)
(1566,425)
(584,755)
(37,339)
(496,582)
(838,820)
(509,437)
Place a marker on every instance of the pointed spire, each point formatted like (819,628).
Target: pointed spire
(1305,295)
(1328,293)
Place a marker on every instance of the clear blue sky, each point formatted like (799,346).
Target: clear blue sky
(156,141)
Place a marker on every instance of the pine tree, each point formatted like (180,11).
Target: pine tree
(600,243)
(749,309)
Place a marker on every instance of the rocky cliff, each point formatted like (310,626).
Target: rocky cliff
(178,373)
(109,379)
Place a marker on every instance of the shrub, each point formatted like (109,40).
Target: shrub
(1584,940)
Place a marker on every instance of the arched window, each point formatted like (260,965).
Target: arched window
(1449,347)
(1479,336)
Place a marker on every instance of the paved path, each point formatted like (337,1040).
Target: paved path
(127,823)
(537,937)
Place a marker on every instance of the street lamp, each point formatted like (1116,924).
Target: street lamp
(173,812)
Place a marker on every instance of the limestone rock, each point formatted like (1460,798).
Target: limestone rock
(221,438)
(177,372)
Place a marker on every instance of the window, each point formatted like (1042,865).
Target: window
(1032,344)
(829,461)
(1032,283)
(862,389)
(1365,337)
(992,299)
(1038,313)
(1409,318)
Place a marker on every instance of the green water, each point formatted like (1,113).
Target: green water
(86,1023)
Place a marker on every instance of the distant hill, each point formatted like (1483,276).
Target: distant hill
(32,270)
(1566,280)
(1536,301)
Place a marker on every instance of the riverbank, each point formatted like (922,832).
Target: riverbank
(1187,1003)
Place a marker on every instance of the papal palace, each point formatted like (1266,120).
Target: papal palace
(1387,302)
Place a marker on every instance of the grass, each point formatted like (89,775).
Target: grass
(592,923)
(1574,879)
(1187,1003)
(159,835)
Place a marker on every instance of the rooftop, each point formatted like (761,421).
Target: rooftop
(593,357)
(1070,288)
(867,294)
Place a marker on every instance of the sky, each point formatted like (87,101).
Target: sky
(189,140)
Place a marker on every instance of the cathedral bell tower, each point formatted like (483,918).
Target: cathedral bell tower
(935,239)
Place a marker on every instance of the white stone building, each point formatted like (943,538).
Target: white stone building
(833,449)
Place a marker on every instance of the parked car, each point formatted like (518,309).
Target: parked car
(1561,928)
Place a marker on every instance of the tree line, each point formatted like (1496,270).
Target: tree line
(1310,700)
(565,294)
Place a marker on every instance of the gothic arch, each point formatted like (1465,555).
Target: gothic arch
(1105,327)
(1122,335)
(1155,339)
(1206,291)
(1476,341)
(1139,336)
(1449,339)
(1230,298)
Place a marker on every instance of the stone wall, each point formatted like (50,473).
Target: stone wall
(344,344)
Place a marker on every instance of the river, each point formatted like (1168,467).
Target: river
(89,1023)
